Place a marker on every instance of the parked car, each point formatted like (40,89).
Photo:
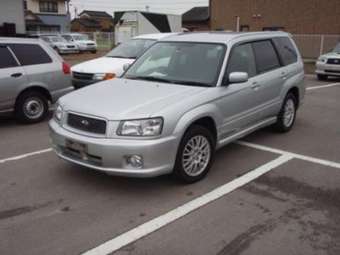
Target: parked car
(185,97)
(329,64)
(32,75)
(112,64)
(82,41)
(59,44)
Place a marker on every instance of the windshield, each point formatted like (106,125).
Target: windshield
(56,39)
(131,49)
(337,48)
(195,64)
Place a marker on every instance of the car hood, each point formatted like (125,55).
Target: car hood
(122,99)
(332,55)
(103,65)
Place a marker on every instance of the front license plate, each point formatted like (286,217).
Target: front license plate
(75,146)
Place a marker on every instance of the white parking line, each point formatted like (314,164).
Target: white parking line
(323,86)
(294,155)
(173,215)
(25,155)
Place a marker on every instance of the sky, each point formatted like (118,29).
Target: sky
(161,6)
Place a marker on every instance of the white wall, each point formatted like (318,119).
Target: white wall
(12,11)
(33,5)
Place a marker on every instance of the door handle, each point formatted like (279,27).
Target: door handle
(284,76)
(255,86)
(16,75)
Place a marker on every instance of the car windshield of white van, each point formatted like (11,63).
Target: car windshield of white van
(183,63)
(337,48)
(131,49)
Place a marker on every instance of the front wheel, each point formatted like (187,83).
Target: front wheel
(287,115)
(195,155)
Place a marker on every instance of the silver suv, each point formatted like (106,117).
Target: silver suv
(32,75)
(187,96)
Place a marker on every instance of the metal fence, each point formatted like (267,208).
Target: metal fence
(312,46)
(104,40)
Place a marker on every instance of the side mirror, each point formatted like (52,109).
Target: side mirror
(238,77)
(126,66)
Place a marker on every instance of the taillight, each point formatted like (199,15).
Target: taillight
(66,68)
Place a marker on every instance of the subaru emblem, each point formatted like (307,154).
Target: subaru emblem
(85,122)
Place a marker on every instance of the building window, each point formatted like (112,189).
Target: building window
(25,4)
(48,6)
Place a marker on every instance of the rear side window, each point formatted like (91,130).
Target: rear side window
(286,50)
(242,60)
(265,56)
(6,60)
(30,54)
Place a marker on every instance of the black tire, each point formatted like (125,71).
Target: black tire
(31,102)
(93,51)
(194,132)
(322,77)
(283,125)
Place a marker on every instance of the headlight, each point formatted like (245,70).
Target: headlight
(322,59)
(144,127)
(104,76)
(58,113)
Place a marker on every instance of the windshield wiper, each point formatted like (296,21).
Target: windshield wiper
(193,83)
(150,78)
(121,57)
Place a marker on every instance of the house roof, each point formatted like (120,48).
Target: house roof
(96,14)
(90,23)
(196,14)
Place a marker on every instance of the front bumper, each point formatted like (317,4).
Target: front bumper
(78,84)
(109,155)
(327,69)
(68,51)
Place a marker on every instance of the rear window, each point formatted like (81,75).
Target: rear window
(265,56)
(7,60)
(30,54)
(286,50)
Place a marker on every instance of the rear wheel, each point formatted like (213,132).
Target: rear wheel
(322,77)
(287,115)
(31,107)
(195,155)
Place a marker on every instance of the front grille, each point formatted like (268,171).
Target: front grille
(82,76)
(70,47)
(333,61)
(85,158)
(86,124)
(90,44)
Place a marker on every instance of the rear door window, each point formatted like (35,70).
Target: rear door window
(6,60)
(242,60)
(265,56)
(30,54)
(286,50)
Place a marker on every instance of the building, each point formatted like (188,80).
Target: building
(12,19)
(47,16)
(294,16)
(196,19)
(129,24)
(93,21)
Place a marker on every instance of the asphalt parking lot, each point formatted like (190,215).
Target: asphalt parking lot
(267,194)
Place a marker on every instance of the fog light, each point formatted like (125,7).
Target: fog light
(134,161)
